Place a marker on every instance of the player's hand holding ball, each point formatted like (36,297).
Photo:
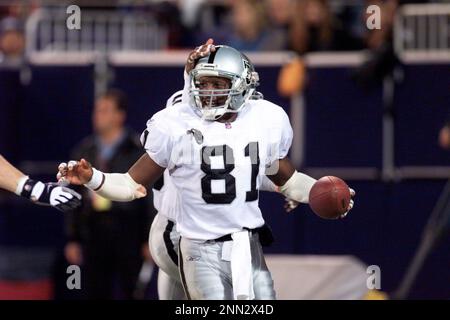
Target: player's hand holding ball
(290,205)
(75,172)
(331,198)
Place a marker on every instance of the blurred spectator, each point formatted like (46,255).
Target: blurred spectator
(211,21)
(12,40)
(168,15)
(314,28)
(279,13)
(250,28)
(382,58)
(279,17)
(376,38)
(109,239)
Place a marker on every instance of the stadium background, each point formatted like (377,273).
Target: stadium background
(342,128)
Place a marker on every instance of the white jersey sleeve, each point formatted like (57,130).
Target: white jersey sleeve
(165,195)
(278,132)
(286,136)
(157,141)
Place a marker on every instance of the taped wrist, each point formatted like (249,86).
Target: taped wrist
(298,187)
(113,186)
(97,180)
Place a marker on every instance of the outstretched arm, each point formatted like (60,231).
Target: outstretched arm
(114,186)
(9,175)
(13,180)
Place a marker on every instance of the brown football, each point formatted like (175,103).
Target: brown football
(329,197)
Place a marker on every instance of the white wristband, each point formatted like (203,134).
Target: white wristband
(97,179)
(20,184)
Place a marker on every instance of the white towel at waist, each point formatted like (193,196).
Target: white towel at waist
(241,266)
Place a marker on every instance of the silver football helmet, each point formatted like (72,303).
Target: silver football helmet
(224,62)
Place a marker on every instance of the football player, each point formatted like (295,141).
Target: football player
(163,238)
(13,180)
(217,147)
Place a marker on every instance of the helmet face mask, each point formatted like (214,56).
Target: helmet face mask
(221,83)
(213,91)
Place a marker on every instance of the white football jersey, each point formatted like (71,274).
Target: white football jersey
(165,196)
(217,167)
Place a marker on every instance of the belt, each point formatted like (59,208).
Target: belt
(228,237)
